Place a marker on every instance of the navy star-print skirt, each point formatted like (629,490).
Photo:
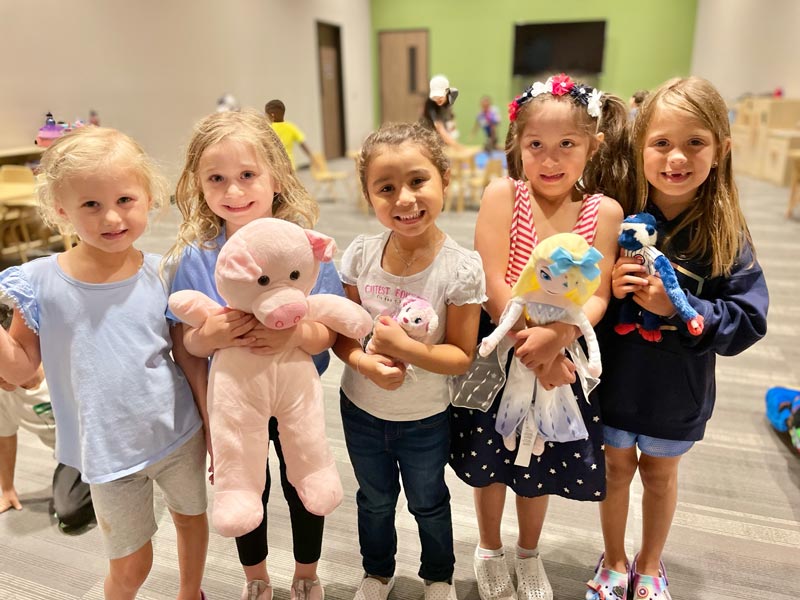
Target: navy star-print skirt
(573,470)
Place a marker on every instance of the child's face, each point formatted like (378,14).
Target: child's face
(678,154)
(405,189)
(236,184)
(108,209)
(554,150)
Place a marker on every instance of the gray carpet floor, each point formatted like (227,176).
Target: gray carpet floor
(736,533)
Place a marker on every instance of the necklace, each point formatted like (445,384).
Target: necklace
(414,258)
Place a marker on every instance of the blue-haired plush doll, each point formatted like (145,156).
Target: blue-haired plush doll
(637,239)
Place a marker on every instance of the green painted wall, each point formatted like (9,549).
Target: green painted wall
(471,41)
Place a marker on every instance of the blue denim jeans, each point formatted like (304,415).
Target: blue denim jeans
(382,452)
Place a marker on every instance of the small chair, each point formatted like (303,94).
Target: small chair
(478,183)
(16,174)
(324,179)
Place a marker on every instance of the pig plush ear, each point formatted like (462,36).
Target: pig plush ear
(235,262)
(322,246)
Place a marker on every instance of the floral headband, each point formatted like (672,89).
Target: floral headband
(560,85)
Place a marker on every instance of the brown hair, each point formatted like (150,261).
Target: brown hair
(395,134)
(607,171)
(93,149)
(200,224)
(715,219)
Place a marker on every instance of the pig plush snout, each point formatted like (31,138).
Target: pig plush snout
(285,316)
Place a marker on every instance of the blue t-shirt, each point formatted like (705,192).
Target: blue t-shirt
(196,272)
(119,400)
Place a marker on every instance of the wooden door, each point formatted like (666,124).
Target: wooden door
(403,74)
(330,85)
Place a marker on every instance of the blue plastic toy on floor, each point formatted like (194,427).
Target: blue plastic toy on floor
(783,411)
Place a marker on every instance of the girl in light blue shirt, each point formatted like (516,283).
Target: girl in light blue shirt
(94,317)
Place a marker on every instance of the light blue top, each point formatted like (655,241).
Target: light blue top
(119,400)
(196,272)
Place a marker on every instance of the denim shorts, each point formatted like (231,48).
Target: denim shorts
(652,446)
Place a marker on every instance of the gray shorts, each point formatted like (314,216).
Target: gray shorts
(124,507)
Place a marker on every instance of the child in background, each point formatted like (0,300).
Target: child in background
(660,396)
(94,317)
(636,102)
(397,426)
(28,406)
(237,171)
(561,148)
(488,119)
(288,132)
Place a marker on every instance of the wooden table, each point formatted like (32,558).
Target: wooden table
(20,154)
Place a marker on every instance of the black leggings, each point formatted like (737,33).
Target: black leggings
(306,527)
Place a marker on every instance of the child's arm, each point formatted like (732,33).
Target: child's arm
(734,313)
(453,357)
(310,336)
(381,370)
(225,329)
(196,371)
(20,355)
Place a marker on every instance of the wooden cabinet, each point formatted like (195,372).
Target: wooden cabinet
(775,164)
(762,134)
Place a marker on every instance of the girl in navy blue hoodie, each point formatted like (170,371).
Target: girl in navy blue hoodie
(659,395)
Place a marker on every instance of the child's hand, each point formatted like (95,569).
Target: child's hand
(227,328)
(561,371)
(653,297)
(382,370)
(9,500)
(388,338)
(538,346)
(271,341)
(627,276)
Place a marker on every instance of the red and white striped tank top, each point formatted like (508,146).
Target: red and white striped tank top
(523,232)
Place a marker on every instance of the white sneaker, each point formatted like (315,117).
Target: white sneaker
(532,582)
(257,590)
(440,590)
(373,589)
(494,582)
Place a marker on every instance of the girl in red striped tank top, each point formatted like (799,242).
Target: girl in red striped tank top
(563,146)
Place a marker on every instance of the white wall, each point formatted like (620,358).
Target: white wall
(153,67)
(748,46)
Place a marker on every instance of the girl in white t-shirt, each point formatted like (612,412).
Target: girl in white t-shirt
(396,424)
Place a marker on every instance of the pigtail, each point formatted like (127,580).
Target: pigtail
(610,169)
(513,158)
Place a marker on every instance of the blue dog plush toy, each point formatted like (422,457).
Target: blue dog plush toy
(637,239)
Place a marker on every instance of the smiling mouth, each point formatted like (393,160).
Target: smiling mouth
(112,235)
(676,177)
(240,208)
(551,178)
(410,217)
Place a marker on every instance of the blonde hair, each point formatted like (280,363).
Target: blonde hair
(92,150)
(581,288)
(607,169)
(395,134)
(715,219)
(200,225)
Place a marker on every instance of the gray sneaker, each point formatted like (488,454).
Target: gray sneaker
(373,589)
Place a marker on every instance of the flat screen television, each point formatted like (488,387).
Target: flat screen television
(575,47)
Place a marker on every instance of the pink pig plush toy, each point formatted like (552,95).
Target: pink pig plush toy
(268,268)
